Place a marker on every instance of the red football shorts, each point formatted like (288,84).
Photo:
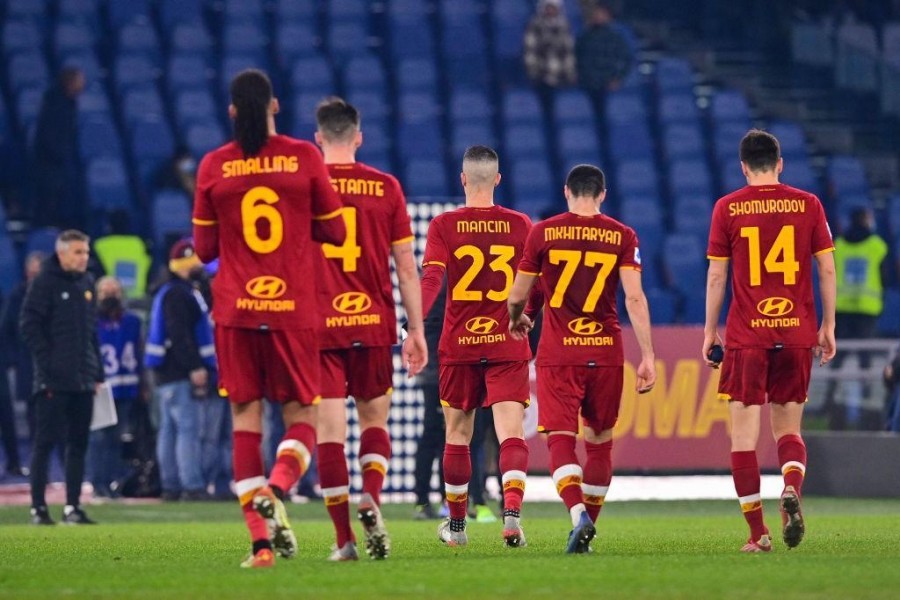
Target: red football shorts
(563,391)
(364,373)
(467,387)
(749,374)
(279,365)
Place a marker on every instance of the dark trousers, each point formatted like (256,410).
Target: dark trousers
(8,425)
(431,443)
(61,417)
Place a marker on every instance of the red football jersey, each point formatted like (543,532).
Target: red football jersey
(264,207)
(577,261)
(480,249)
(770,234)
(356,298)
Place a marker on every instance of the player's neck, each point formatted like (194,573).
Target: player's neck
(584,207)
(480,199)
(339,156)
(763,178)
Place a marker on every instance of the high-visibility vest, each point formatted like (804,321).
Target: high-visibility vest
(858,271)
(125,258)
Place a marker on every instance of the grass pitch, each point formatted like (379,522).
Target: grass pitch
(643,550)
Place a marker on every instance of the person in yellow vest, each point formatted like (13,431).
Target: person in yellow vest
(859,267)
(124,256)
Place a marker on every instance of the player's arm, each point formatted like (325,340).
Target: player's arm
(639,313)
(827,290)
(328,222)
(716,280)
(519,323)
(415,352)
(204,219)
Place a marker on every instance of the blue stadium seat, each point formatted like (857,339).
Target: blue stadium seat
(425,177)
(174,13)
(572,158)
(631,140)
(417,106)
(846,176)
(364,73)
(403,8)
(69,38)
(889,321)
(138,103)
(684,261)
(509,18)
(731,177)
(232,64)
(140,38)
(78,9)
(28,103)
(246,39)
(470,105)
(347,10)
(98,137)
(524,141)
(294,40)
(470,134)
(573,106)
(692,214)
(682,141)
(626,107)
(293,11)
(312,73)
(88,63)
(410,36)
(372,106)
(304,114)
(575,139)
(93,100)
(170,215)
(190,37)
(893,213)
(532,185)
(423,138)
(107,184)
(346,40)
(134,70)
(729,106)
(27,69)
(42,239)
(790,137)
(152,146)
(471,71)
(378,160)
(244,11)
(416,75)
(521,106)
(376,138)
(27,10)
(193,106)
(678,108)
(10,271)
(20,36)
(690,176)
(847,204)
(663,304)
(122,13)
(798,172)
(456,10)
(726,141)
(642,211)
(637,177)
(674,74)
(203,137)
(187,71)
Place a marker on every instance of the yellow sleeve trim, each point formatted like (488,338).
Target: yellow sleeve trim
(718,257)
(330,215)
(403,240)
(434,262)
(632,267)
(528,273)
(203,222)
(825,251)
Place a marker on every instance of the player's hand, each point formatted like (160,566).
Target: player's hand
(710,340)
(826,347)
(520,328)
(415,353)
(646,375)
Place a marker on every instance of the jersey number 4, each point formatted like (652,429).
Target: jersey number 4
(779,259)
(350,251)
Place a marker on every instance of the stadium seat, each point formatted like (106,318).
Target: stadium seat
(364,73)
(678,108)
(27,69)
(72,37)
(312,73)
(471,71)
(139,37)
(726,140)
(304,114)
(139,103)
(468,105)
(107,184)
(893,213)
(244,39)
(856,61)
(42,239)
(521,106)
(410,36)
(152,139)
(846,176)
(799,173)
(88,63)
(790,137)
(187,71)
(28,103)
(174,14)
(731,177)
(524,141)
(20,36)
(78,9)
(637,177)
(469,134)
(346,40)
(416,75)
(414,107)
(422,138)
(684,260)
(294,40)
(98,137)
(425,177)
(573,107)
(690,176)
(626,107)
(576,139)
(674,74)
(134,70)
(190,37)
(727,106)
(376,138)
(193,106)
(93,100)
(371,105)
(509,18)
(692,214)
(294,11)
(243,11)
(683,141)
(170,215)
(122,13)
(10,271)
(631,141)
(663,303)
(889,321)
(26,10)
(203,137)
(532,185)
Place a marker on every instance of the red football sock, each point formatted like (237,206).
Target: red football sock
(335,481)
(566,470)
(249,477)
(792,456)
(597,476)
(745,471)
(457,473)
(374,456)
(293,456)
(513,467)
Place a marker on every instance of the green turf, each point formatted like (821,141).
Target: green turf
(644,550)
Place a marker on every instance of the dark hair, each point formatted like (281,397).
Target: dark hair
(68,75)
(480,154)
(586,180)
(336,118)
(251,93)
(760,150)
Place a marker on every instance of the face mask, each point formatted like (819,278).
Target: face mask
(110,306)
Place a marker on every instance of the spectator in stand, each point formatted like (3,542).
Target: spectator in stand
(181,354)
(549,51)
(10,335)
(124,255)
(180,173)
(56,163)
(59,326)
(602,56)
(119,332)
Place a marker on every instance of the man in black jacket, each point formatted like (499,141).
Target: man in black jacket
(59,325)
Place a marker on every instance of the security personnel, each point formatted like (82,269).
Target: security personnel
(124,256)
